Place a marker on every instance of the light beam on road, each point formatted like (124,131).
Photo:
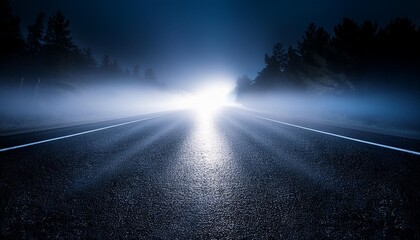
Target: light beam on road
(208,172)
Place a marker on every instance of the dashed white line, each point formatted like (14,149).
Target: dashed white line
(341,136)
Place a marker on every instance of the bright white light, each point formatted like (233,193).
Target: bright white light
(211,98)
(207,100)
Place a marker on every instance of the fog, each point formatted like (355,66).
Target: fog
(387,111)
(74,62)
(43,104)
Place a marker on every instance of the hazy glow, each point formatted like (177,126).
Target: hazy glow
(208,99)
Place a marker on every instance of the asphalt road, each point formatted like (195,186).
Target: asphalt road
(182,175)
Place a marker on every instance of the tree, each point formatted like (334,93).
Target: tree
(272,73)
(346,43)
(11,40)
(355,46)
(58,40)
(369,52)
(401,42)
(106,63)
(277,61)
(314,45)
(61,54)
(35,32)
(293,62)
(89,61)
(12,45)
(294,69)
(368,34)
(346,35)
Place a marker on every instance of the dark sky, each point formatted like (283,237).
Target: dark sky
(192,40)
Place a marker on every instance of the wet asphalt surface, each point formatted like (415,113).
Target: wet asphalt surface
(185,176)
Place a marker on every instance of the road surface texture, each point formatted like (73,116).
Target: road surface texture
(183,175)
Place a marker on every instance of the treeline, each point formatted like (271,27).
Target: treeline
(355,57)
(48,53)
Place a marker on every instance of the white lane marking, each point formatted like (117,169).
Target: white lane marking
(74,134)
(340,136)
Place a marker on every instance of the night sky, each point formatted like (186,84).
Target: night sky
(193,40)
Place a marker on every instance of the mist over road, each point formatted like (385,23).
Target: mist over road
(186,175)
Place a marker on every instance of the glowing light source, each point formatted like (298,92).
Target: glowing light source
(207,100)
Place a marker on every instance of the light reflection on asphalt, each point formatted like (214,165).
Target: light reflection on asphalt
(207,175)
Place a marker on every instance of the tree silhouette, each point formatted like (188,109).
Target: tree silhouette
(52,54)
(354,57)
(277,61)
(294,61)
(400,38)
(314,45)
(11,40)
(355,46)
(294,70)
(59,48)
(275,65)
(106,63)
(346,42)
(57,38)
(35,35)
(368,45)
(88,61)
(354,53)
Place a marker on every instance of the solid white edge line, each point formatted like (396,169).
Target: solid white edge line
(74,134)
(340,136)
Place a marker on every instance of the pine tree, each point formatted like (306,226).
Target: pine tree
(277,60)
(35,32)
(293,60)
(11,40)
(58,40)
(272,73)
(401,42)
(89,61)
(105,64)
(314,45)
